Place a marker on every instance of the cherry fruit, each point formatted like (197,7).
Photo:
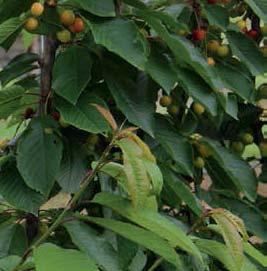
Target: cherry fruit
(37,9)
(165,101)
(31,24)
(67,17)
(198,34)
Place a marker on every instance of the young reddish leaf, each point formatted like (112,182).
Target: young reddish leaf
(107,115)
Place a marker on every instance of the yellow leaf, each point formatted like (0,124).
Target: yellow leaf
(59,201)
(231,237)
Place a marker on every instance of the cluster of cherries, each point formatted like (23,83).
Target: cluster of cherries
(214,47)
(71,23)
(173,109)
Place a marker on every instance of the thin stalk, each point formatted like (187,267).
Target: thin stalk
(155,264)
(198,222)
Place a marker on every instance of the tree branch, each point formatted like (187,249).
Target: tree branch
(118,6)
(47,62)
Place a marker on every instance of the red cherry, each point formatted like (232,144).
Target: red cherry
(212,2)
(77,26)
(252,34)
(198,34)
(55,115)
(28,114)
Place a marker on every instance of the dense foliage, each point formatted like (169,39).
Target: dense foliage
(135,140)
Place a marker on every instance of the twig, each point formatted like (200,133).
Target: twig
(155,264)
(198,222)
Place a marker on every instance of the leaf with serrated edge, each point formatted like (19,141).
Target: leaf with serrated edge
(150,220)
(231,237)
(138,235)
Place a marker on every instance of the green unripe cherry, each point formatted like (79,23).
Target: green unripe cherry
(64,36)
(198,108)
(237,147)
(173,110)
(223,51)
(204,151)
(165,101)
(247,138)
(199,162)
(213,46)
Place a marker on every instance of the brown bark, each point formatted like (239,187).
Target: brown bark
(47,62)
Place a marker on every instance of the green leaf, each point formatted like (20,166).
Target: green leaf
(83,115)
(247,51)
(175,145)
(133,94)
(181,190)
(138,235)
(255,254)
(252,217)
(133,47)
(149,220)
(237,79)
(232,106)
(93,245)
(19,241)
(220,252)
(127,251)
(15,192)
(161,70)
(116,171)
(9,31)
(231,237)
(13,239)
(10,100)
(138,182)
(13,8)
(72,73)
(197,89)
(53,258)
(259,7)
(103,8)
(9,263)
(229,104)
(216,250)
(73,168)
(237,171)
(139,261)
(155,176)
(39,154)
(18,66)
(217,15)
